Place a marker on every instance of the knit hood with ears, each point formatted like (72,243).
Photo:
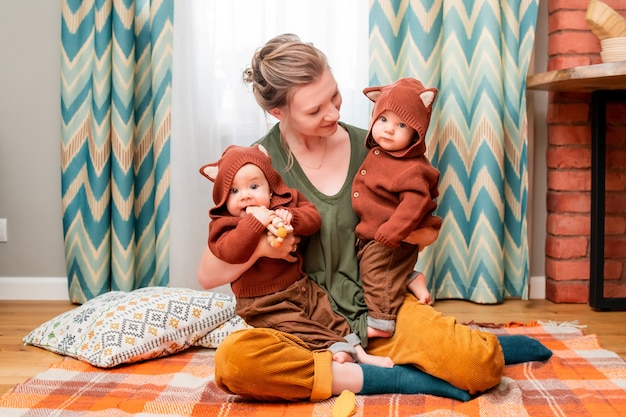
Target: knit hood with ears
(409,100)
(223,171)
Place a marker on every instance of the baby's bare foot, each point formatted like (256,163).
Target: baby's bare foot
(420,290)
(342,357)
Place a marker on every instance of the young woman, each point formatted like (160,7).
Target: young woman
(319,155)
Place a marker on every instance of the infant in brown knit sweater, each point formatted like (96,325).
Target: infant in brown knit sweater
(393,193)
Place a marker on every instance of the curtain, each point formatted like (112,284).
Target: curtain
(477,55)
(115,105)
(212,108)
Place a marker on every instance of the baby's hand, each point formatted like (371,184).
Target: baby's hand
(284,214)
(262,214)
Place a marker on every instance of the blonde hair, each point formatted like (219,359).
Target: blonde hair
(278,67)
(283,63)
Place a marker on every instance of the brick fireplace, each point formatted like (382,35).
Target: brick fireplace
(570,44)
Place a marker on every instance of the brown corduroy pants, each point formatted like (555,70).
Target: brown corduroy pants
(384,273)
(303,310)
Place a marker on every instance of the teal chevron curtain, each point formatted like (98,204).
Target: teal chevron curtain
(477,54)
(115,103)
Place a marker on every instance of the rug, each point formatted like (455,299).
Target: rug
(581,379)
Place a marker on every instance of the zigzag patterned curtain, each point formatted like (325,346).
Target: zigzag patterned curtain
(115,103)
(477,54)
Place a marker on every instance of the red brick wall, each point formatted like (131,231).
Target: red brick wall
(571,43)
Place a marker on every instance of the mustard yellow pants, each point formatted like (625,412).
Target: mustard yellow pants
(468,359)
(269,365)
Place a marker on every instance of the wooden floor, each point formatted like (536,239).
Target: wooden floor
(18,318)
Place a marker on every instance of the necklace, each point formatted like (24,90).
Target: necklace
(318,166)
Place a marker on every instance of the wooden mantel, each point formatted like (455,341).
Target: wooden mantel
(605,76)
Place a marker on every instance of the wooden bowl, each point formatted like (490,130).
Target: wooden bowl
(604,21)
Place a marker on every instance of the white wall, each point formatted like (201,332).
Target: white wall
(32,261)
(30,131)
(537,211)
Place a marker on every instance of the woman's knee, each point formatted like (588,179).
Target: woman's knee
(269,365)
(231,363)
(484,366)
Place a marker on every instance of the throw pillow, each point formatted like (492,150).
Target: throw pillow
(213,338)
(123,327)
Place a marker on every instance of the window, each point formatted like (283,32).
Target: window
(212,108)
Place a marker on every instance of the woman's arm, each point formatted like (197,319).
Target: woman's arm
(214,272)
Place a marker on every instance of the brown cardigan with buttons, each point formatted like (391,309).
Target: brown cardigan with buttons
(393,194)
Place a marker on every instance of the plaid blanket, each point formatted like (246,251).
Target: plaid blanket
(581,379)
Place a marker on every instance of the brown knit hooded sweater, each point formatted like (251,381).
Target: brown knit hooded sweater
(393,193)
(234,239)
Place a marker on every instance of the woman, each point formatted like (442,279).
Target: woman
(319,155)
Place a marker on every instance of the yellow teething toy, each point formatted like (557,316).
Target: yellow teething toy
(280,230)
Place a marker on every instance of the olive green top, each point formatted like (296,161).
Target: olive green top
(330,254)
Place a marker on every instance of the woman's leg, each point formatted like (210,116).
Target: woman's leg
(469,359)
(269,365)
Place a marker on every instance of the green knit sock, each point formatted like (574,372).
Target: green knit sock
(520,348)
(407,379)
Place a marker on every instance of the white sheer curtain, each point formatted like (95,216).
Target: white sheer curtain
(212,108)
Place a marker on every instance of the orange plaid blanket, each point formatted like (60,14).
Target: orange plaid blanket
(581,379)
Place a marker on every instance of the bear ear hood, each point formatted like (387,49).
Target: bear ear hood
(222,172)
(210,171)
(410,100)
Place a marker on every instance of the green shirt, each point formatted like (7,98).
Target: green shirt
(330,254)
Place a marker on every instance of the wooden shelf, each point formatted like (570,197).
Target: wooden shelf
(606,76)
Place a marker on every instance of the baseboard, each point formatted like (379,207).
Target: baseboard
(55,288)
(537,288)
(33,288)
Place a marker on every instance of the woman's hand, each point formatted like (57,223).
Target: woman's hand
(214,272)
(285,251)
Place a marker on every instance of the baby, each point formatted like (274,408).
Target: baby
(393,193)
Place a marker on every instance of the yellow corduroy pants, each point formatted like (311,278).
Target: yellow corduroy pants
(268,365)
(468,359)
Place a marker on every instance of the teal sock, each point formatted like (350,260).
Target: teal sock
(407,379)
(520,348)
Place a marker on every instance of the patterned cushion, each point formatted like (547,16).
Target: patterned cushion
(123,327)
(213,338)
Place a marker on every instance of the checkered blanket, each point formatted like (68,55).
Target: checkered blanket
(581,379)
